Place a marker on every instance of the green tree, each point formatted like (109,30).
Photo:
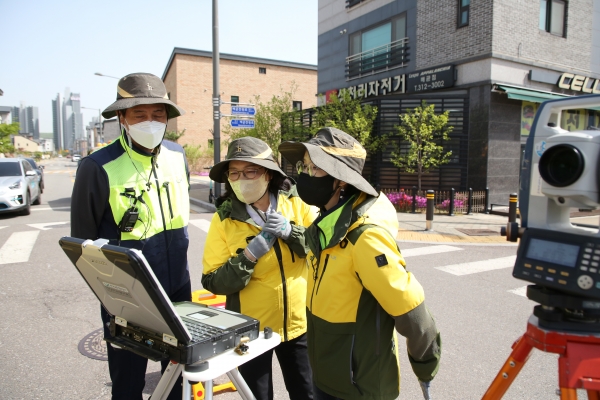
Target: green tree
(349,115)
(425,131)
(174,136)
(270,120)
(6,130)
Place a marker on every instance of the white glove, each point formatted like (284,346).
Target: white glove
(278,225)
(261,244)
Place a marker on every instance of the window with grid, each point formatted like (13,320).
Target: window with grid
(463,12)
(262,70)
(297,105)
(553,16)
(378,48)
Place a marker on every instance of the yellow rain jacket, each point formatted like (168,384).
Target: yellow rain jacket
(272,290)
(358,291)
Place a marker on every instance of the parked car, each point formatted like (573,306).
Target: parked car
(76,157)
(40,171)
(19,186)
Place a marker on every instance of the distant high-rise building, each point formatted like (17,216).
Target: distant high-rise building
(72,119)
(57,123)
(28,119)
(14,115)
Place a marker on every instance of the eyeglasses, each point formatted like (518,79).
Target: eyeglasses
(249,173)
(310,169)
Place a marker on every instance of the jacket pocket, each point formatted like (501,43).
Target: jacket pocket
(333,361)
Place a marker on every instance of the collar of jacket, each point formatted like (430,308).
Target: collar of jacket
(333,228)
(237,210)
(134,153)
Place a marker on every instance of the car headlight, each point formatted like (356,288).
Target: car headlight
(15,185)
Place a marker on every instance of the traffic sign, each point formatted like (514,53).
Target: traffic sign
(238,110)
(242,123)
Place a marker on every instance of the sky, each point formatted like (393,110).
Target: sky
(49,46)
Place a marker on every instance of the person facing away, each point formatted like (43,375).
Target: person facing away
(255,255)
(359,289)
(138,171)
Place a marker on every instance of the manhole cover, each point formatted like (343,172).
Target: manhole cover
(479,232)
(93,345)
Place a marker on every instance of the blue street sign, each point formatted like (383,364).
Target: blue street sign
(237,110)
(242,123)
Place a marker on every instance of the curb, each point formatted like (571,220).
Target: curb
(412,236)
(207,206)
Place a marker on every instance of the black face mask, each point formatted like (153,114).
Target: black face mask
(315,191)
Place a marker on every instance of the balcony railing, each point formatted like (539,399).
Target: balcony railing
(383,58)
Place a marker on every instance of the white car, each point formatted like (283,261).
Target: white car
(76,157)
(19,186)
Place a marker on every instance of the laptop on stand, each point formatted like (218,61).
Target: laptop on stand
(143,319)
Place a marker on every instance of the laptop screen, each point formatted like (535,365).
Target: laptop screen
(126,285)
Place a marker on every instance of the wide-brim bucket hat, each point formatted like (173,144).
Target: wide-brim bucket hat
(335,152)
(248,149)
(141,88)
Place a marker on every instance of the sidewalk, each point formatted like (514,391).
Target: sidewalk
(475,228)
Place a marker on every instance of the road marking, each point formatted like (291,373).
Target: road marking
(201,223)
(421,251)
(479,266)
(522,291)
(34,208)
(43,227)
(18,247)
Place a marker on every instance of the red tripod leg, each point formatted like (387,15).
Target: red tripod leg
(593,395)
(510,369)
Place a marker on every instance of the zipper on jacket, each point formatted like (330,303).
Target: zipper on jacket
(284,285)
(377,327)
(162,215)
(323,274)
(352,368)
(291,252)
(166,186)
(315,274)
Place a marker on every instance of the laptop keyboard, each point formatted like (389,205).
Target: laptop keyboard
(201,332)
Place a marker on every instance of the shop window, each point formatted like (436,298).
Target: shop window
(463,12)
(378,48)
(553,16)
(297,105)
(262,70)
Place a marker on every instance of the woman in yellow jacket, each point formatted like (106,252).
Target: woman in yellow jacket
(255,255)
(358,288)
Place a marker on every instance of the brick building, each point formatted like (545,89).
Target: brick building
(489,62)
(189,81)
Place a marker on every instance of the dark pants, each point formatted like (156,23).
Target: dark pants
(293,360)
(321,395)
(128,370)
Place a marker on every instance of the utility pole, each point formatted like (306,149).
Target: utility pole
(216,93)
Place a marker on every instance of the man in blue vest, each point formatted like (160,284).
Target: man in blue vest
(134,192)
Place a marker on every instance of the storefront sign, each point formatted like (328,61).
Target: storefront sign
(414,82)
(393,84)
(430,79)
(579,83)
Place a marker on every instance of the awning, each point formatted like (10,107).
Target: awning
(521,93)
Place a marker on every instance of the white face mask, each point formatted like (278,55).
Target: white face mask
(249,191)
(148,134)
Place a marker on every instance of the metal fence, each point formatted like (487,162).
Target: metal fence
(446,201)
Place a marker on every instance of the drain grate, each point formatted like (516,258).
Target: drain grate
(93,345)
(479,232)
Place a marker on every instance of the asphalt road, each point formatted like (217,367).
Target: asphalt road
(46,309)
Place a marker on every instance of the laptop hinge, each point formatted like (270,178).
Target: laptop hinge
(121,321)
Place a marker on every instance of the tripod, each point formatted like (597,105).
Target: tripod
(579,351)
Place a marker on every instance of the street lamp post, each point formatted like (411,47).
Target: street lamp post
(100,132)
